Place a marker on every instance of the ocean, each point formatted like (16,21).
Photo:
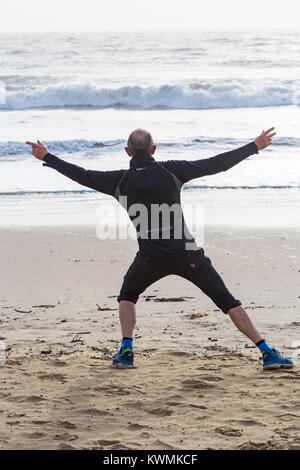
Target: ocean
(198,93)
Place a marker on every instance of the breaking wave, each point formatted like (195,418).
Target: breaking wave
(190,96)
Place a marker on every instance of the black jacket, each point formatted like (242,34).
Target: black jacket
(153,184)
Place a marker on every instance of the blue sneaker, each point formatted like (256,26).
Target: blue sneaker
(124,358)
(275,360)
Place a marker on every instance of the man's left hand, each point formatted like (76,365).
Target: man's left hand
(38,149)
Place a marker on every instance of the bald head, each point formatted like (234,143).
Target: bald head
(140,141)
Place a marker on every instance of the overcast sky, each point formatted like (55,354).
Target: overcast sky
(99,15)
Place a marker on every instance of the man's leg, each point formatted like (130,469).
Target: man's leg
(202,273)
(198,269)
(243,322)
(140,275)
(127,316)
(271,358)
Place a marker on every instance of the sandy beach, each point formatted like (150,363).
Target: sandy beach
(198,383)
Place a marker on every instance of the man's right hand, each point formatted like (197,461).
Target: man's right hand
(264,139)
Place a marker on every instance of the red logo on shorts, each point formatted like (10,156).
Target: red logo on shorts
(193,265)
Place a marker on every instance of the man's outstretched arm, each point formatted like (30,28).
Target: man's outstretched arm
(103,181)
(188,170)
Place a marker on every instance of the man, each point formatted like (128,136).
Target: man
(169,249)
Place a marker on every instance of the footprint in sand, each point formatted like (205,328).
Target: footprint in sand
(287,416)
(174,403)
(177,354)
(160,411)
(162,445)
(199,407)
(66,424)
(195,384)
(65,446)
(289,377)
(175,397)
(202,418)
(107,442)
(145,435)
(32,399)
(65,437)
(14,415)
(113,389)
(135,427)
(135,404)
(227,431)
(286,432)
(58,363)
(269,445)
(211,378)
(39,422)
(93,412)
(59,377)
(245,422)
(36,435)
(119,447)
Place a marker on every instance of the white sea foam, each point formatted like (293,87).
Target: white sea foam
(190,96)
(11,149)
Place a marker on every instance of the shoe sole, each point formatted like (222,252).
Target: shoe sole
(278,366)
(122,366)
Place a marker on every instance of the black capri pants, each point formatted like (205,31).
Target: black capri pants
(194,266)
